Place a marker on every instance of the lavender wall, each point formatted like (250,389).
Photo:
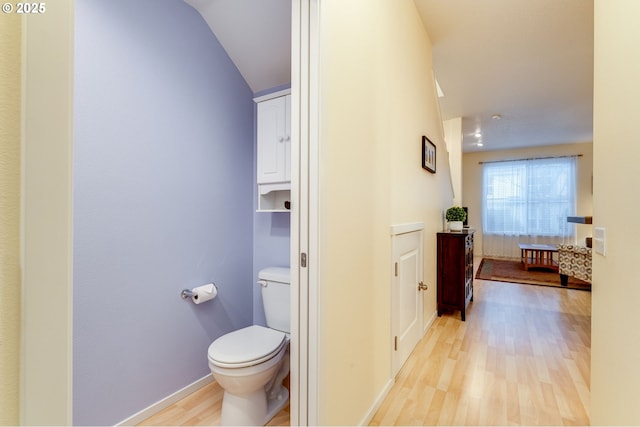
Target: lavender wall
(164,180)
(272,244)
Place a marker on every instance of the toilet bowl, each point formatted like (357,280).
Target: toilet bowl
(246,364)
(251,363)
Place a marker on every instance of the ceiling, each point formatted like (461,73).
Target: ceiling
(256,34)
(528,61)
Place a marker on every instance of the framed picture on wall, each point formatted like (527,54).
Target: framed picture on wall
(428,155)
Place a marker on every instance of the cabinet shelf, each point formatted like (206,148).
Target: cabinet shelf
(274,197)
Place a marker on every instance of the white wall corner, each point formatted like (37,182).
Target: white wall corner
(453,140)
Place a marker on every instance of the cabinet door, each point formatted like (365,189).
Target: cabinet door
(272,141)
(287,138)
(452,262)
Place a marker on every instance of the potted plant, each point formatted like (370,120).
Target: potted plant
(455,216)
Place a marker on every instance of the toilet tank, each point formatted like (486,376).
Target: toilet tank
(276,297)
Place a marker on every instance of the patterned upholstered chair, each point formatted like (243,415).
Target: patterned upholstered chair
(575,261)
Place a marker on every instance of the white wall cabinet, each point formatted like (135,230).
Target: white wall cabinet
(274,140)
(274,152)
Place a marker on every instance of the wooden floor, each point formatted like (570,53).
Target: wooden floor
(521,358)
(202,408)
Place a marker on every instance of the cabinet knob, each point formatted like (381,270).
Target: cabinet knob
(422,286)
(288,138)
(281,139)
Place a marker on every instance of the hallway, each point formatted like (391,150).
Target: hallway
(522,357)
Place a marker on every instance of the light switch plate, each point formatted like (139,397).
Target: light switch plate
(600,240)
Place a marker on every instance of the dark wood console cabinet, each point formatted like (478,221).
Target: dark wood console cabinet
(455,271)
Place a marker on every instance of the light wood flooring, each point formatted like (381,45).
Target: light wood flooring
(521,358)
(202,408)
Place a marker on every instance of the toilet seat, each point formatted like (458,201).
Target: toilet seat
(246,347)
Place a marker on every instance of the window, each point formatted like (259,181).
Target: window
(529,197)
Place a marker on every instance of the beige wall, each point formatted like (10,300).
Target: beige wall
(472,181)
(377,100)
(10,110)
(615,335)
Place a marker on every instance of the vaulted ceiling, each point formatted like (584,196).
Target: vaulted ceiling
(256,35)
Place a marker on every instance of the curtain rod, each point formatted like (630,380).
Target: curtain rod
(529,158)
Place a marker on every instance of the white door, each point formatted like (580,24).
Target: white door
(406,297)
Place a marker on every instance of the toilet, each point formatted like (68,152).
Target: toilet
(251,363)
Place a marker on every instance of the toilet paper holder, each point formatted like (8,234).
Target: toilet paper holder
(200,294)
(187,293)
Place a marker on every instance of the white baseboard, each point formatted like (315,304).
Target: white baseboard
(376,404)
(429,323)
(167,401)
(387,388)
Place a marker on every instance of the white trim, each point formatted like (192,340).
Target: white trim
(428,325)
(268,188)
(273,95)
(167,401)
(304,212)
(46,371)
(314,407)
(377,403)
(387,388)
(406,228)
(299,278)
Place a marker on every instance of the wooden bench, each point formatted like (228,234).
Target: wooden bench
(535,255)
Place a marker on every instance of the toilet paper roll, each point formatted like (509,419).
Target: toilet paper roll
(204,293)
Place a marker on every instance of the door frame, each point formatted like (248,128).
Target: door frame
(46,394)
(305,213)
(46,213)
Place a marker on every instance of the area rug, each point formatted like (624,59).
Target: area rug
(503,270)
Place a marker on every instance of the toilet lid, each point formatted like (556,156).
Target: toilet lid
(245,347)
